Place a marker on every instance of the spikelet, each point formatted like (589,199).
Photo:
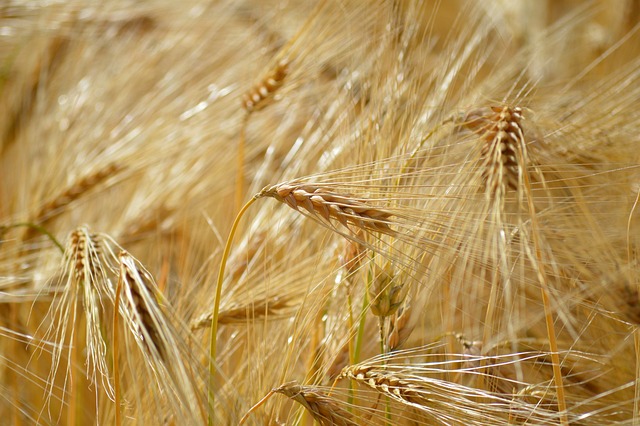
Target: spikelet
(323,204)
(399,327)
(385,292)
(385,382)
(263,91)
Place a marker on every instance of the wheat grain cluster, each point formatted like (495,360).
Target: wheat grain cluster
(337,212)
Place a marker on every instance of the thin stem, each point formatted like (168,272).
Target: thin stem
(381,333)
(636,345)
(38,228)
(240,162)
(544,289)
(351,344)
(216,309)
(361,326)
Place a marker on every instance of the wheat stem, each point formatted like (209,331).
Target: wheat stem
(636,399)
(555,359)
(216,308)
(240,163)
(359,338)
(551,333)
(352,353)
(36,227)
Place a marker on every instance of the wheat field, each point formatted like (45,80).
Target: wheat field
(339,212)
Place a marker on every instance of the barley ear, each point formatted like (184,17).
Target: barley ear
(323,205)
(263,91)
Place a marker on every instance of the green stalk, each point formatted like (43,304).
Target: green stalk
(38,228)
(216,308)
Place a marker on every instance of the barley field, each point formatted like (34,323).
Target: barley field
(334,212)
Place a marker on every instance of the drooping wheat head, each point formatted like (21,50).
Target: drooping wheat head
(322,204)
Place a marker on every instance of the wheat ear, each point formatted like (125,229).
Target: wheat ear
(159,343)
(438,399)
(505,160)
(501,131)
(140,296)
(324,409)
(263,308)
(74,191)
(85,286)
(253,100)
(258,96)
(322,203)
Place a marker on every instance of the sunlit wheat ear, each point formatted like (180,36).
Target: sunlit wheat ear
(86,284)
(421,385)
(263,91)
(272,309)
(156,337)
(75,191)
(324,409)
(141,306)
(502,139)
(323,205)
